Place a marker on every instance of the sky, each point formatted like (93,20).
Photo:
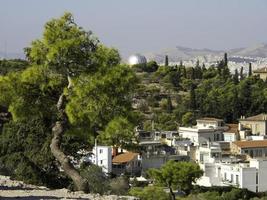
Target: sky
(141,25)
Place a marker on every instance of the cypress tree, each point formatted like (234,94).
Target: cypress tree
(193,103)
(235,77)
(169,105)
(184,72)
(166,60)
(181,63)
(241,74)
(203,68)
(193,74)
(250,70)
(225,59)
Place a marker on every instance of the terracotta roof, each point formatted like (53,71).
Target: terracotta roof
(261,70)
(124,157)
(251,143)
(260,117)
(209,119)
(232,128)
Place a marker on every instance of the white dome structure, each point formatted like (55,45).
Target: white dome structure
(137,59)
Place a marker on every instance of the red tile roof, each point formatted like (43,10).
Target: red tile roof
(251,143)
(232,128)
(124,157)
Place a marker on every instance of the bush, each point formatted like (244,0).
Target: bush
(98,181)
(119,186)
(149,193)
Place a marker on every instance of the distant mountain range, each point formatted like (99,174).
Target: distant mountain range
(256,54)
(11,55)
(184,53)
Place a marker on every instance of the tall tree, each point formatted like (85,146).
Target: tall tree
(73,82)
(225,59)
(235,77)
(250,70)
(166,60)
(193,103)
(241,75)
(169,106)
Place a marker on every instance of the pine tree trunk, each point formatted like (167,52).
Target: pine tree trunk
(58,131)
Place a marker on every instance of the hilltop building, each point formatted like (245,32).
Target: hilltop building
(255,125)
(206,130)
(262,73)
(137,59)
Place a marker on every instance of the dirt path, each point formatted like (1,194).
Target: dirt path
(11,190)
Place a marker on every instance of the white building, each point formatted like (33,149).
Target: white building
(208,153)
(102,156)
(232,133)
(250,175)
(206,130)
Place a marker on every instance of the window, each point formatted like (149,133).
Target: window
(232,178)
(260,152)
(201,158)
(236,179)
(101,162)
(251,153)
(257,178)
(257,189)
(218,137)
(100,150)
(225,176)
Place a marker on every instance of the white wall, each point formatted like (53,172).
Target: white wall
(248,178)
(103,158)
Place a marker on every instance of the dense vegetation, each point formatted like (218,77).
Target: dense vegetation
(177,95)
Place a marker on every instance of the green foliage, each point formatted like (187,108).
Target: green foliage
(149,193)
(119,186)
(188,119)
(99,182)
(149,67)
(64,47)
(12,65)
(225,193)
(118,132)
(25,153)
(101,97)
(177,175)
(32,92)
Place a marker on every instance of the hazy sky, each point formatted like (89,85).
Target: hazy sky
(141,25)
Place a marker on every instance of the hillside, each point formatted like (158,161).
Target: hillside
(256,54)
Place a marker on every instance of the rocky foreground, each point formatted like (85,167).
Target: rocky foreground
(10,189)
